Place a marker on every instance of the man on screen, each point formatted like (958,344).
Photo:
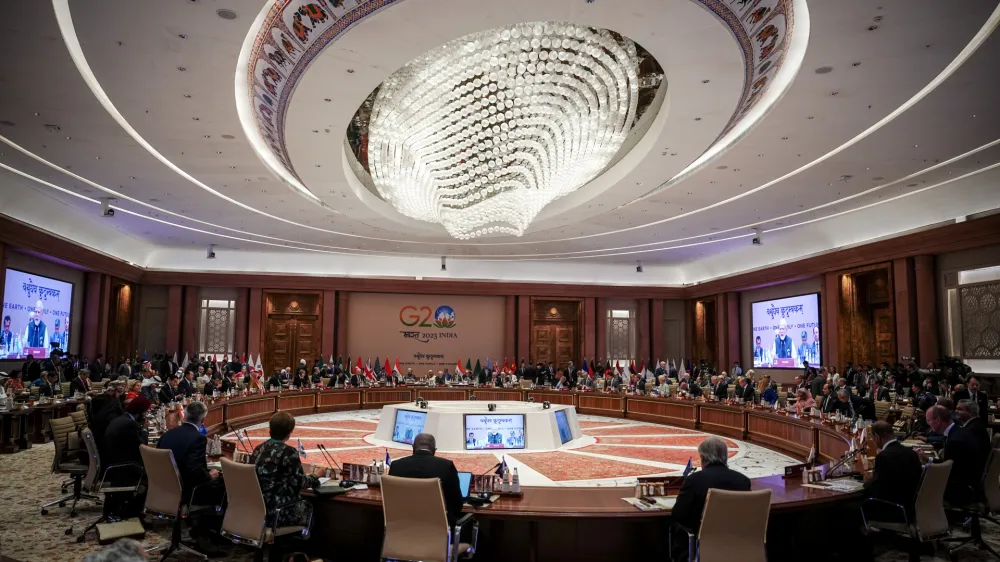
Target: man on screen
(758,352)
(815,345)
(783,342)
(804,350)
(6,336)
(470,441)
(58,336)
(36,335)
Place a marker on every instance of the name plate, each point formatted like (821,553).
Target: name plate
(795,470)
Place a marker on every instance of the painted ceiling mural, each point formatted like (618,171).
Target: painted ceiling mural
(294,32)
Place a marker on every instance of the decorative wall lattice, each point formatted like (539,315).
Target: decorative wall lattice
(980,321)
(621,335)
(218,327)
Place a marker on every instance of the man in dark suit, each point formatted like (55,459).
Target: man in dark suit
(81,383)
(971,391)
(967,415)
(719,388)
(50,385)
(966,453)
(165,367)
(896,476)
(423,464)
(745,391)
(168,392)
(188,386)
(122,439)
(188,446)
(96,368)
(691,499)
(829,400)
(877,392)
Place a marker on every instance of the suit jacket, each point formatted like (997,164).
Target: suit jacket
(896,476)
(96,369)
(977,427)
(816,385)
(122,440)
(423,464)
(981,399)
(186,387)
(188,446)
(691,499)
(694,390)
(882,394)
(167,394)
(968,456)
(721,391)
(746,393)
(78,385)
(48,389)
(828,403)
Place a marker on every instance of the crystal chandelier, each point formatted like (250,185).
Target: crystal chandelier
(482,132)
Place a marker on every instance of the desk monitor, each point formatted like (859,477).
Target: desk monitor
(493,431)
(565,433)
(408,425)
(464,481)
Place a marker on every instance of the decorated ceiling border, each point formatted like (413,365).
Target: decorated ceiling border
(294,32)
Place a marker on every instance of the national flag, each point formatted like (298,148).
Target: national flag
(369,372)
(378,367)
(340,362)
(458,367)
(249,361)
(588,368)
(680,370)
(244,359)
(618,366)
(395,368)
(175,357)
(503,466)
(642,367)
(689,467)
(489,366)
(331,359)
(186,361)
(388,459)
(302,450)
(258,366)
(360,366)
(505,367)
(478,370)
(387,369)
(144,355)
(468,366)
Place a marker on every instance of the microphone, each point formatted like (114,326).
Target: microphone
(240,440)
(492,468)
(328,457)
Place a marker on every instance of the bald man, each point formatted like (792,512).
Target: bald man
(423,464)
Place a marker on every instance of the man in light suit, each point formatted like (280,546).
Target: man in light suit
(783,344)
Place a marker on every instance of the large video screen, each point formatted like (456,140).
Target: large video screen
(786,332)
(565,433)
(494,431)
(408,425)
(35,315)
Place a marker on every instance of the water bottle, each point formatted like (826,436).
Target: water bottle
(505,486)
(515,483)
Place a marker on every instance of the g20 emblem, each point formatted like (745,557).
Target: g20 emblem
(424,317)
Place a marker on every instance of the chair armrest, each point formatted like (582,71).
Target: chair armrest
(463,520)
(194,492)
(868,501)
(277,517)
(142,471)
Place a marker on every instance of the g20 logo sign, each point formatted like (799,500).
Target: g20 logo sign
(424,317)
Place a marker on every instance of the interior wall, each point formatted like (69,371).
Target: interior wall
(811,285)
(38,266)
(152,336)
(947,268)
(674,341)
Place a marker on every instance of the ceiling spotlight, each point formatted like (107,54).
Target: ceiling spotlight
(226,14)
(638,267)
(211,252)
(182,35)
(106,210)
(181,68)
(444,264)
(758,237)
(228,137)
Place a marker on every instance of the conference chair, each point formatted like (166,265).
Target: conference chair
(718,540)
(69,461)
(881,410)
(246,515)
(929,521)
(97,386)
(34,392)
(64,387)
(103,486)
(987,507)
(416,523)
(165,499)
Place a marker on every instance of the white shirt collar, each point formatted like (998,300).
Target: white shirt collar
(887,444)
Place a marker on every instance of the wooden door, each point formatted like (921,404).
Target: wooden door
(885,348)
(280,337)
(542,343)
(565,342)
(306,344)
(555,342)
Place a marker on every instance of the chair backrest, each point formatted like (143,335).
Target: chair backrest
(991,481)
(79,417)
(416,523)
(881,409)
(34,392)
(929,506)
(60,429)
(246,515)
(995,442)
(721,541)
(94,468)
(163,489)
(64,386)
(325,381)
(97,386)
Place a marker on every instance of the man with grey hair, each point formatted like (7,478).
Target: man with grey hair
(843,404)
(187,443)
(967,414)
(691,500)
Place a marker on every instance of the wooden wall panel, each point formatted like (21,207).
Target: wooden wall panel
(928,338)
(394,396)
(175,304)
(524,328)
(190,321)
(242,324)
(255,316)
(656,329)
(329,321)
(510,328)
(601,405)
(674,413)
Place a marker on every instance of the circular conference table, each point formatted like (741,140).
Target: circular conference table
(566,523)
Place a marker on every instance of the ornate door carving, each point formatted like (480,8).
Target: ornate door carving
(292,329)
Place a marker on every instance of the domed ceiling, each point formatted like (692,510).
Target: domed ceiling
(560,141)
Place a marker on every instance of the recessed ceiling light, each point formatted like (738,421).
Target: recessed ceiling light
(196,119)
(327,99)
(916,145)
(131,177)
(69,138)
(218,152)
(37,113)
(226,14)
(187,95)
(317,165)
(228,137)
(248,179)
(856,63)
(232,167)
(182,35)
(721,167)
(350,71)
(705,81)
(697,118)
(181,68)
(833,93)
(97,157)
(810,117)
(824,70)
(784,138)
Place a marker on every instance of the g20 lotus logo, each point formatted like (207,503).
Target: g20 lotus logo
(424,317)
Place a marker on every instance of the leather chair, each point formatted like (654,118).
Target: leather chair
(416,523)
(104,486)
(881,410)
(929,520)
(68,461)
(986,508)
(718,540)
(165,498)
(246,514)
(97,386)
(64,387)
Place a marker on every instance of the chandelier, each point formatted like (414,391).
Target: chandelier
(481,133)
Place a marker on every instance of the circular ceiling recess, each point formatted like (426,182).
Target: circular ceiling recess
(481,133)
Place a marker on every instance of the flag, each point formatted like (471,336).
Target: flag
(503,466)
(468,366)
(144,355)
(395,368)
(458,367)
(244,359)
(378,367)
(302,450)
(388,368)
(812,456)
(360,366)
(249,361)
(681,369)
(175,357)
(618,366)
(489,366)
(478,370)
(689,467)
(369,373)
(185,363)
(331,359)
(588,368)
(388,459)
(258,366)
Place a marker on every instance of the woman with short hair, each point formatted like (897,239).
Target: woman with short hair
(279,471)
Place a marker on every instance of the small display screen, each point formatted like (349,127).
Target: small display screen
(786,332)
(494,431)
(408,425)
(35,315)
(565,433)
